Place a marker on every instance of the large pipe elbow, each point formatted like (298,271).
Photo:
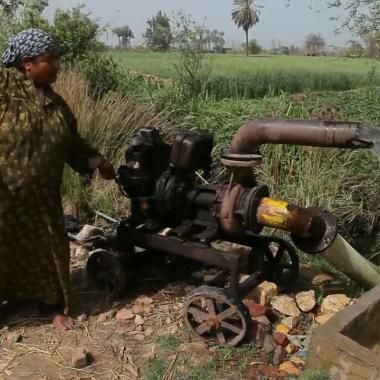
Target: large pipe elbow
(254,133)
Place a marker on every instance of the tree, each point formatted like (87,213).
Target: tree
(32,13)
(355,49)
(208,39)
(125,35)
(294,50)
(245,15)
(76,33)
(285,50)
(254,47)
(315,43)
(9,7)
(190,65)
(371,46)
(158,35)
(16,15)
(219,42)
(363,16)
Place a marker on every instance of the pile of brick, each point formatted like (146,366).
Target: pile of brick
(283,324)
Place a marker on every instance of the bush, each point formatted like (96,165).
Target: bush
(254,47)
(102,72)
(76,34)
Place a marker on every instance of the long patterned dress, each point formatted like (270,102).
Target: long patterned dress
(38,135)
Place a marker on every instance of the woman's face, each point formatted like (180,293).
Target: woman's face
(43,70)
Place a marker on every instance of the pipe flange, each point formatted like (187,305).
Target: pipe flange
(251,204)
(325,238)
(232,160)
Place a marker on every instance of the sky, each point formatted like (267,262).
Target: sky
(278,24)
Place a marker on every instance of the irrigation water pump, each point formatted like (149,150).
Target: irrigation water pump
(161,182)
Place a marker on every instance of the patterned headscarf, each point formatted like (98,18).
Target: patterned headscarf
(28,43)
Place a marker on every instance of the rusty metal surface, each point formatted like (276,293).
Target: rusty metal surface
(313,229)
(228,221)
(285,216)
(316,242)
(245,209)
(250,136)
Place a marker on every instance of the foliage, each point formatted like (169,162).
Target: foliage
(18,15)
(214,41)
(76,34)
(371,46)
(355,49)
(190,64)
(125,35)
(101,71)
(363,16)
(245,15)
(315,43)
(9,7)
(155,369)
(198,363)
(254,47)
(168,342)
(158,35)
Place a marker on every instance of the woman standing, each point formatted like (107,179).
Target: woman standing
(38,135)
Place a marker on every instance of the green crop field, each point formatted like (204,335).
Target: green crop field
(258,76)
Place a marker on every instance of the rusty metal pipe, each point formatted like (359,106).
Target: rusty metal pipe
(297,220)
(313,229)
(250,136)
(243,209)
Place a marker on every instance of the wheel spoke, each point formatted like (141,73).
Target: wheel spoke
(216,316)
(230,327)
(227,313)
(221,337)
(279,254)
(210,306)
(203,328)
(198,313)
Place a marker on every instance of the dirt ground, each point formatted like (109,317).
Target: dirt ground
(140,337)
(116,346)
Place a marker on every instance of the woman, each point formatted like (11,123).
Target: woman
(38,135)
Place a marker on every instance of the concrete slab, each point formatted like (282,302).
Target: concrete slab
(348,345)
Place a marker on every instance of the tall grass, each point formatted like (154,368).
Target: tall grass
(258,84)
(107,123)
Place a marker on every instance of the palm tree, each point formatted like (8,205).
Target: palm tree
(245,15)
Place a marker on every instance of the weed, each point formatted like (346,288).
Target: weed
(168,342)
(155,369)
(315,375)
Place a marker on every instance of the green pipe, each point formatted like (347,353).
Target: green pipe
(350,262)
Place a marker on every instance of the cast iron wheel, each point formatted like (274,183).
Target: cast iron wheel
(281,263)
(105,271)
(215,316)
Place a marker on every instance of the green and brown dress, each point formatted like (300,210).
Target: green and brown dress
(38,135)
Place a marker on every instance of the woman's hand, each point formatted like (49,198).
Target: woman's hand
(106,170)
